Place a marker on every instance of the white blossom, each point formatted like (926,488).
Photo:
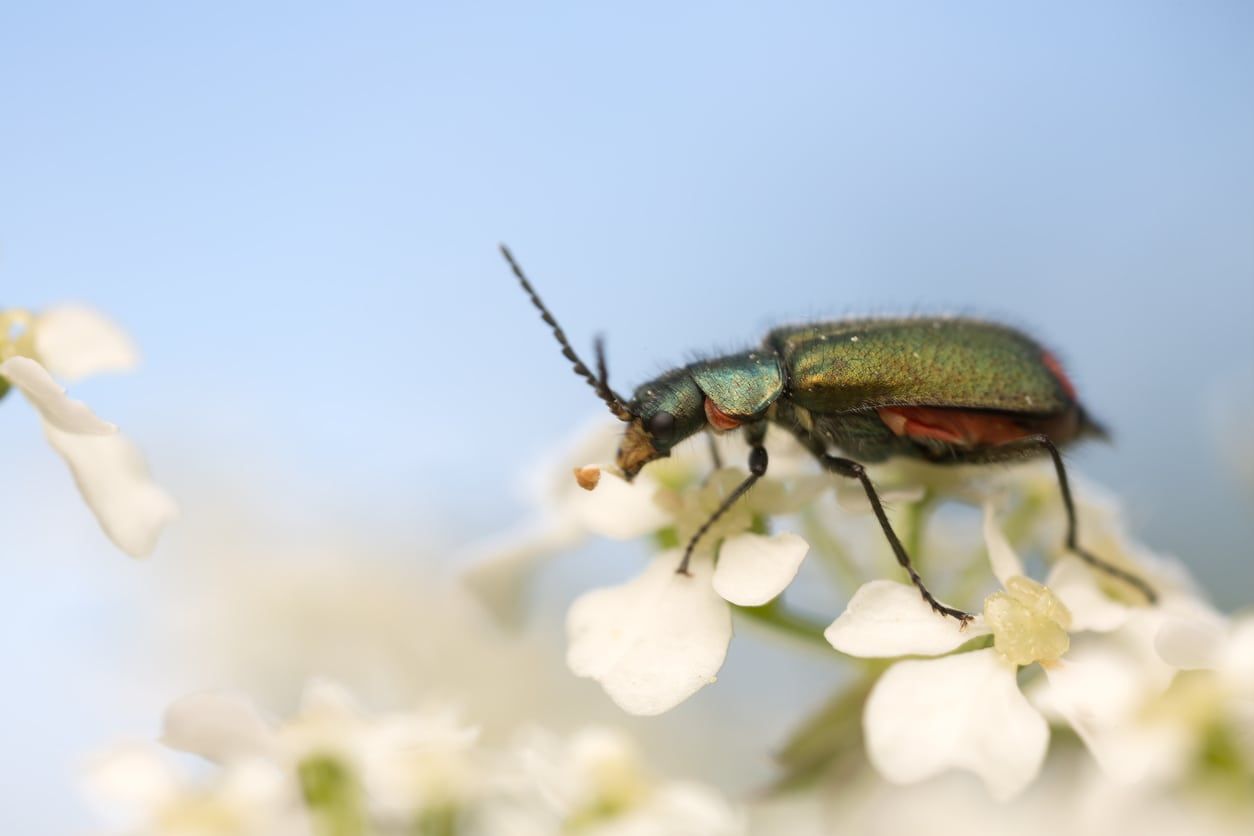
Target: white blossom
(143,791)
(564,515)
(333,768)
(74,342)
(965,711)
(406,763)
(1071,797)
(597,784)
(753,568)
(655,640)
(884,619)
(1144,723)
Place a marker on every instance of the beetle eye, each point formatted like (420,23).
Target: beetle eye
(661,424)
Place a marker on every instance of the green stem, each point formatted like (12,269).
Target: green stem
(1016,526)
(916,517)
(788,622)
(438,821)
(836,558)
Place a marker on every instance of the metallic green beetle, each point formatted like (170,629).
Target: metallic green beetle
(941,389)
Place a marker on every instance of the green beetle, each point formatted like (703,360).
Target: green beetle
(947,390)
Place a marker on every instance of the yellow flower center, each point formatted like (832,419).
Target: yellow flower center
(617,785)
(1028,621)
(692,508)
(17,337)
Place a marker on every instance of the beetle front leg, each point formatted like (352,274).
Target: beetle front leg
(854,470)
(757,469)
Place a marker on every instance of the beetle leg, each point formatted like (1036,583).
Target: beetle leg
(757,469)
(715,456)
(854,470)
(1073,543)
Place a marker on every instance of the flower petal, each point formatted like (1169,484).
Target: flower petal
(50,399)
(327,701)
(1190,643)
(1091,609)
(886,618)
(132,776)
(618,509)
(753,568)
(114,480)
(221,726)
(1001,556)
(960,712)
(654,641)
(75,341)
(1237,660)
(684,807)
(1100,692)
(501,571)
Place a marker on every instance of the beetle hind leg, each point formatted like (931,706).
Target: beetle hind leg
(854,470)
(1073,543)
(1040,442)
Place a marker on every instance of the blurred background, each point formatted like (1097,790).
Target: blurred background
(295,209)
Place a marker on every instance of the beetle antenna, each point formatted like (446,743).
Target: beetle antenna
(603,375)
(599,382)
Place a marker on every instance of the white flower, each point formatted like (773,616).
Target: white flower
(332,768)
(405,763)
(597,784)
(654,641)
(565,514)
(1219,644)
(965,711)
(667,494)
(136,785)
(662,636)
(884,619)
(1143,723)
(1071,798)
(75,342)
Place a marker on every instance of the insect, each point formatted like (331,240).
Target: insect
(939,389)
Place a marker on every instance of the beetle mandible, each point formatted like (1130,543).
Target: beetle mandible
(946,390)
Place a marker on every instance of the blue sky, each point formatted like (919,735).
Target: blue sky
(295,208)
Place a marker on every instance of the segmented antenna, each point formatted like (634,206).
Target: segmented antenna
(600,382)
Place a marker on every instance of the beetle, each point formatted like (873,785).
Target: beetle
(946,390)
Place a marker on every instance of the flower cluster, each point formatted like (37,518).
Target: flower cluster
(72,343)
(659,638)
(1161,696)
(1080,650)
(334,768)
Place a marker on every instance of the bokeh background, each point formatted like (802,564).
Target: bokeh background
(295,208)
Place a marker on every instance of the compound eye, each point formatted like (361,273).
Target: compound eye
(661,425)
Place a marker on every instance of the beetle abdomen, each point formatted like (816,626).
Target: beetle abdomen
(961,427)
(943,436)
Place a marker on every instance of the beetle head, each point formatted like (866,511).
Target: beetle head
(664,412)
(661,414)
